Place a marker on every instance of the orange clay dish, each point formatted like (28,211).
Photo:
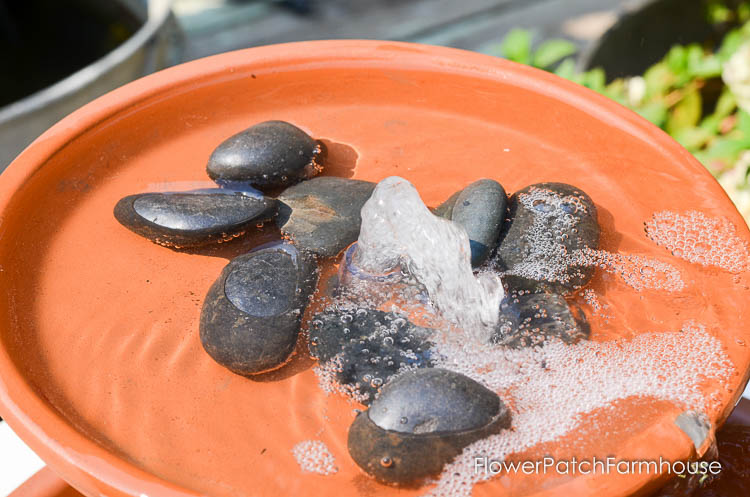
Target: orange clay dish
(102,371)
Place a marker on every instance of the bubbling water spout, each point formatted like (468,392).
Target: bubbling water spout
(399,229)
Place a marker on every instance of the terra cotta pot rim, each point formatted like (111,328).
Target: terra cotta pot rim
(81,459)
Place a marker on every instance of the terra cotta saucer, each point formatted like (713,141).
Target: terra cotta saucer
(101,369)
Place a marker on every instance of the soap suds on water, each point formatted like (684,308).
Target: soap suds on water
(699,239)
(592,299)
(313,456)
(550,260)
(636,271)
(329,384)
(550,388)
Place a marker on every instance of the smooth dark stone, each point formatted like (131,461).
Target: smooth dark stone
(268,154)
(422,420)
(374,345)
(445,210)
(562,220)
(434,400)
(531,319)
(187,219)
(252,313)
(480,209)
(322,215)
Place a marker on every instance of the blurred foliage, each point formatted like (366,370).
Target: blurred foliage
(723,11)
(517,47)
(683,93)
(698,93)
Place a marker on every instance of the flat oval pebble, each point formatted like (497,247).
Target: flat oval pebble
(548,223)
(480,210)
(422,420)
(186,219)
(531,319)
(273,299)
(268,154)
(251,315)
(372,346)
(322,215)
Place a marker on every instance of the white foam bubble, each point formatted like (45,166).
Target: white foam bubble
(550,260)
(549,388)
(699,239)
(637,271)
(313,456)
(328,382)
(592,299)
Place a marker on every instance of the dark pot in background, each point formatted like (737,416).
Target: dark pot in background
(644,33)
(58,56)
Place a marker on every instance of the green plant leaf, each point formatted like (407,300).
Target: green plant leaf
(659,79)
(578,78)
(692,139)
(724,106)
(705,68)
(676,59)
(701,156)
(698,64)
(654,111)
(616,90)
(516,46)
(566,69)
(730,44)
(743,12)
(717,12)
(743,123)
(686,113)
(726,103)
(552,51)
(595,79)
(711,124)
(727,148)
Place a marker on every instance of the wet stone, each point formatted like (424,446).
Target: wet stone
(539,249)
(529,320)
(445,210)
(372,346)
(422,420)
(269,154)
(187,219)
(480,210)
(322,215)
(251,315)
